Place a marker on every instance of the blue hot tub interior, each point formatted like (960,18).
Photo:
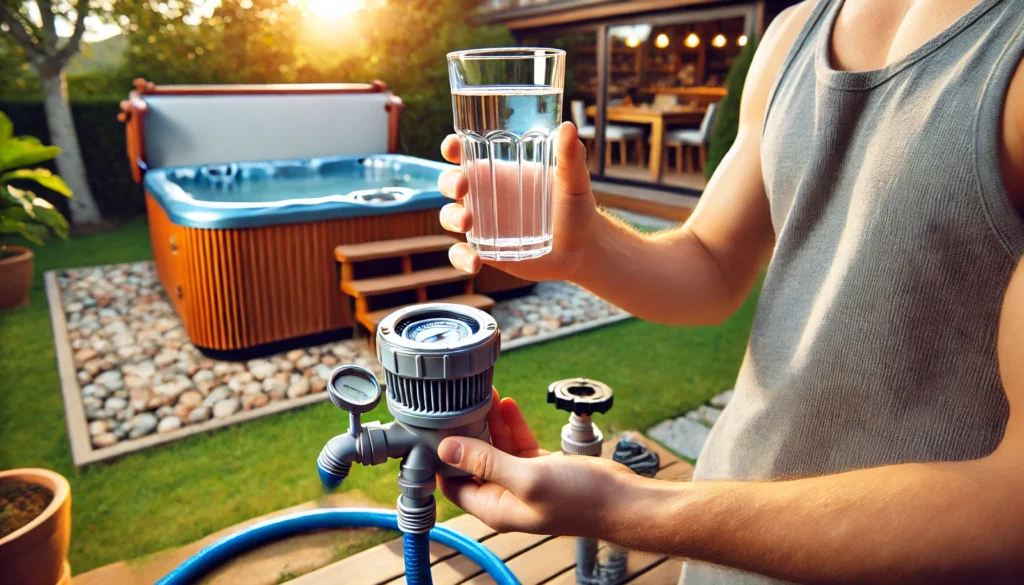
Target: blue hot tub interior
(248,194)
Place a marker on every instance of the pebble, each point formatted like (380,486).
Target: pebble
(274,385)
(226,407)
(299,388)
(168,424)
(113,404)
(251,401)
(110,379)
(261,369)
(317,384)
(98,427)
(295,355)
(142,424)
(191,398)
(104,440)
(199,414)
(218,394)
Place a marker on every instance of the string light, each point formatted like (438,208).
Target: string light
(632,42)
(718,41)
(692,40)
(661,41)
(742,41)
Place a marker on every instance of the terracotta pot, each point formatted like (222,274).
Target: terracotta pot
(15,277)
(36,553)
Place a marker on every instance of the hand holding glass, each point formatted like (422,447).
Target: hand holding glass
(507,105)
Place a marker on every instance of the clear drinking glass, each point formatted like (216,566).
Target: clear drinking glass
(507,105)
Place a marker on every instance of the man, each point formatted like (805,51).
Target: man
(875,433)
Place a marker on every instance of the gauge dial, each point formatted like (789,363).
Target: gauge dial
(437,330)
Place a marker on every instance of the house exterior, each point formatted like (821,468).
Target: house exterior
(646,72)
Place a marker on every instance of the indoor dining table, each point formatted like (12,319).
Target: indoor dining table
(658,119)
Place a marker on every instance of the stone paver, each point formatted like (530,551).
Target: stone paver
(687,434)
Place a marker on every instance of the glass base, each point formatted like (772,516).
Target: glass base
(511,249)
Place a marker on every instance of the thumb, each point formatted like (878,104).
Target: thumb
(572,175)
(484,461)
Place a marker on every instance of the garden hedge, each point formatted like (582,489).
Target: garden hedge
(425,122)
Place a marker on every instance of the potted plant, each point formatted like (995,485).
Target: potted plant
(22,213)
(35,527)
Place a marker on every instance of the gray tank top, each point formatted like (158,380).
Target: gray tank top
(874,341)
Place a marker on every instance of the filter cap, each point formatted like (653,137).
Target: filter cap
(438,341)
(580,396)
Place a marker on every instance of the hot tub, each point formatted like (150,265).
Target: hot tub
(245,249)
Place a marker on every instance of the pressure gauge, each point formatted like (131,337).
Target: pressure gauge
(354,388)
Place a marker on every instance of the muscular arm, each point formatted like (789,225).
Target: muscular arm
(911,523)
(701,272)
(956,522)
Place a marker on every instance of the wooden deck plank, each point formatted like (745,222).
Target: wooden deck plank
(399,282)
(666,573)
(392,248)
(637,563)
(538,564)
(459,568)
(386,562)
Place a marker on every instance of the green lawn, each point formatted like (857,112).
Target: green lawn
(174,494)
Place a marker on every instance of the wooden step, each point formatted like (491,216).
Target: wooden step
(392,248)
(382,285)
(484,303)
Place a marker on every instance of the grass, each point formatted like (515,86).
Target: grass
(171,495)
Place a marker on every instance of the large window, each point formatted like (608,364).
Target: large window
(645,94)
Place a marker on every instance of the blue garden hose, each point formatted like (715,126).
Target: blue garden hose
(417,553)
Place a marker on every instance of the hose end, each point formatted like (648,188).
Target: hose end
(331,471)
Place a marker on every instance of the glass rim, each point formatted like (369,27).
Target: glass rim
(506,53)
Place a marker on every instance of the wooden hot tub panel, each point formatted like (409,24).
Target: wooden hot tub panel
(243,288)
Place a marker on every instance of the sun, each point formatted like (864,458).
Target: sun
(333,9)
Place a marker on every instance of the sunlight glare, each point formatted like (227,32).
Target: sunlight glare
(333,9)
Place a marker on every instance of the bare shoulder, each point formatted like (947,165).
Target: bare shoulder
(771,53)
(1012,143)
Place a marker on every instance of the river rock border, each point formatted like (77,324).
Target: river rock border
(131,379)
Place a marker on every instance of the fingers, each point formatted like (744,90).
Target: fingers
(464,258)
(573,177)
(451,149)
(500,435)
(518,430)
(455,218)
(487,462)
(453,184)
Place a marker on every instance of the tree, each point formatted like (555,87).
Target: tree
(728,122)
(50,56)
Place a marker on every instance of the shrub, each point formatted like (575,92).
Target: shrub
(21,212)
(728,123)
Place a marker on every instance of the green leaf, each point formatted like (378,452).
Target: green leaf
(27,231)
(42,176)
(18,152)
(6,127)
(15,196)
(47,216)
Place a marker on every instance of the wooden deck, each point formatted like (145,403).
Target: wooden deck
(534,559)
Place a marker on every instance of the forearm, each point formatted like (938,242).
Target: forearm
(667,277)
(912,523)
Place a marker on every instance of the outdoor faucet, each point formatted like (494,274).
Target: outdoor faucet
(438,360)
